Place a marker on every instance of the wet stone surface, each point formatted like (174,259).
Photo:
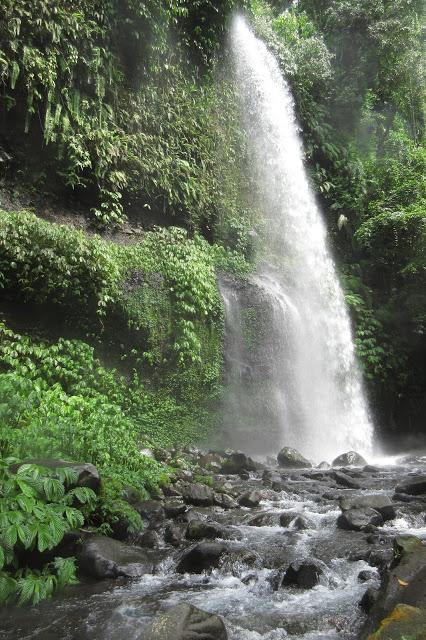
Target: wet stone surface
(232,562)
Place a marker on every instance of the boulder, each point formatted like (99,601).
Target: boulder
(403,584)
(101,557)
(198,494)
(379,502)
(202,557)
(87,473)
(174,508)
(266,519)
(295,520)
(344,480)
(349,459)
(224,501)
(149,539)
(186,622)
(414,486)
(323,465)
(403,623)
(237,462)
(303,573)
(368,600)
(358,519)
(197,530)
(250,499)
(366,574)
(291,459)
(151,510)
(173,534)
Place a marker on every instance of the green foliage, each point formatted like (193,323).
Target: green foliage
(119,111)
(37,508)
(41,262)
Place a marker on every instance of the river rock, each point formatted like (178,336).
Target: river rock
(379,502)
(323,465)
(291,459)
(369,599)
(151,510)
(367,574)
(101,557)
(403,623)
(415,486)
(149,539)
(237,463)
(198,529)
(174,508)
(358,519)
(349,459)
(198,494)
(303,573)
(404,583)
(250,499)
(266,519)
(344,480)
(224,501)
(186,622)
(174,534)
(202,557)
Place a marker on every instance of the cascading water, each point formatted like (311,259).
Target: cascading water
(312,390)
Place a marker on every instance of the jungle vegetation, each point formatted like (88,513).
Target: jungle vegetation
(126,110)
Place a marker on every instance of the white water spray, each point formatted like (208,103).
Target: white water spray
(315,381)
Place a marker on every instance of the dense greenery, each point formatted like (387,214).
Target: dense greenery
(37,508)
(127,109)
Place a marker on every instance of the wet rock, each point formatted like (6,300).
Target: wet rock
(403,623)
(267,519)
(358,519)
(414,486)
(368,600)
(103,557)
(212,462)
(186,622)
(379,502)
(174,534)
(174,508)
(275,579)
(250,579)
(170,491)
(381,558)
(237,463)
(303,573)
(201,557)
(87,473)
(198,529)
(197,494)
(151,510)
(224,501)
(149,539)
(365,575)
(296,520)
(323,465)
(404,582)
(349,459)
(301,523)
(344,480)
(250,499)
(291,459)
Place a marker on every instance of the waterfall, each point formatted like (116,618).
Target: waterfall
(312,394)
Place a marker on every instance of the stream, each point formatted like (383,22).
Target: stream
(241,589)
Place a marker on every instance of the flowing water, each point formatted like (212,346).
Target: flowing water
(241,590)
(312,395)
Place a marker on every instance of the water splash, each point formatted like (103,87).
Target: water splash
(313,388)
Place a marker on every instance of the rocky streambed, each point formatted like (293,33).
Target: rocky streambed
(255,551)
